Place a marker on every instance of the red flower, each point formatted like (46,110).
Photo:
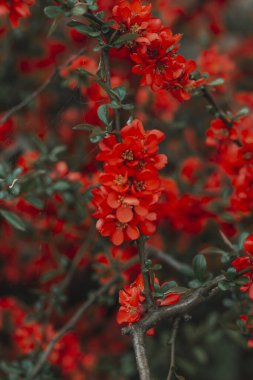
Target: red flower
(248,245)
(131,299)
(126,201)
(16,9)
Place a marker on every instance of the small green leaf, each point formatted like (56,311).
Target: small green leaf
(103,114)
(34,201)
(120,91)
(61,186)
(156,267)
(231,274)
(199,266)
(243,112)
(216,82)
(97,134)
(84,29)
(125,38)
(243,280)
(241,239)
(13,219)
(84,127)
(194,284)
(169,285)
(79,10)
(224,285)
(52,11)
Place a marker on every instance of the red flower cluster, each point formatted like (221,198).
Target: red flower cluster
(70,73)
(154,51)
(31,335)
(248,320)
(240,264)
(16,9)
(216,65)
(126,201)
(131,299)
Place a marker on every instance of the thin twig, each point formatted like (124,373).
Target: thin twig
(215,107)
(106,64)
(170,260)
(41,88)
(173,348)
(145,273)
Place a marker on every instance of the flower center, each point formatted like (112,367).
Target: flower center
(140,185)
(119,179)
(128,155)
(121,226)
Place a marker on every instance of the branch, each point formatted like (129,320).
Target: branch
(145,273)
(41,88)
(70,325)
(140,353)
(183,307)
(215,107)
(173,348)
(106,64)
(171,261)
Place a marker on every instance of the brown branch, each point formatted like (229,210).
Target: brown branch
(173,348)
(70,325)
(197,297)
(41,88)
(145,273)
(140,353)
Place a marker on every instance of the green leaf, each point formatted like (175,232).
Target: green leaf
(224,285)
(84,29)
(243,112)
(84,127)
(120,91)
(194,284)
(216,82)
(199,266)
(241,239)
(125,38)
(157,267)
(231,274)
(243,280)
(34,201)
(52,11)
(103,114)
(61,186)
(79,10)
(97,135)
(169,285)
(13,219)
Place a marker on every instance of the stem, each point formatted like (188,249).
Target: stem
(106,64)
(173,348)
(140,354)
(41,88)
(215,107)
(145,273)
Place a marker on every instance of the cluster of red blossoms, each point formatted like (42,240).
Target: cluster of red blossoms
(126,202)
(245,265)
(131,299)
(154,51)
(16,9)
(30,335)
